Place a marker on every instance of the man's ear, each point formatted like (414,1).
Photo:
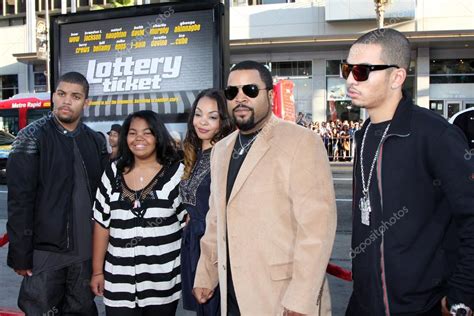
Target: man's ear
(270,96)
(86,103)
(398,78)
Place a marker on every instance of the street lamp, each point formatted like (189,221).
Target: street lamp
(380,11)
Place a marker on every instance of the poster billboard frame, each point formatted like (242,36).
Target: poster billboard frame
(220,35)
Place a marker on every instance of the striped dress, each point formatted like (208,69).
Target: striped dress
(142,263)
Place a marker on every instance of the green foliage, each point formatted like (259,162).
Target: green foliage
(122,3)
(114,4)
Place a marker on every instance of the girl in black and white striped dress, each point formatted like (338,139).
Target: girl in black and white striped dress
(139,215)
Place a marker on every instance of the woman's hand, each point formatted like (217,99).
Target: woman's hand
(99,248)
(97,284)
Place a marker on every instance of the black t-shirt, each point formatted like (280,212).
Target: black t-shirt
(241,148)
(81,228)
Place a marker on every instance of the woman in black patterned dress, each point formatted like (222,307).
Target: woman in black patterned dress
(139,215)
(208,123)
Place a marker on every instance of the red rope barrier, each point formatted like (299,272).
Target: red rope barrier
(10,312)
(3,240)
(339,272)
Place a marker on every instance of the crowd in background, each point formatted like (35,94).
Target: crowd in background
(338,137)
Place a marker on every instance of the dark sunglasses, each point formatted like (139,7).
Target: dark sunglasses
(361,72)
(250,90)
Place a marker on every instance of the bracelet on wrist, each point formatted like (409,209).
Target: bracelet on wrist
(97,274)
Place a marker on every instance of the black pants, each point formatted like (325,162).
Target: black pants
(155,310)
(60,292)
(232,304)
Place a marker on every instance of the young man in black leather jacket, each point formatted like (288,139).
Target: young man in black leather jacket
(52,175)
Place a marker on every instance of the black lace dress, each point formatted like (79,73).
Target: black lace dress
(195,193)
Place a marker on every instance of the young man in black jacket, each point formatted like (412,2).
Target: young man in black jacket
(52,175)
(465,121)
(413,211)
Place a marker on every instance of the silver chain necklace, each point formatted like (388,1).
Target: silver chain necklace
(243,148)
(364,202)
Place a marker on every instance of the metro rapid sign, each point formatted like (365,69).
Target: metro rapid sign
(28,103)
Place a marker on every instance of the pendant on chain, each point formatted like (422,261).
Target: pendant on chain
(136,204)
(365,209)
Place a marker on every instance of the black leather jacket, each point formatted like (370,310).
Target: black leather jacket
(40,178)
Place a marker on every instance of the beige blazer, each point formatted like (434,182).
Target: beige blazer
(281,222)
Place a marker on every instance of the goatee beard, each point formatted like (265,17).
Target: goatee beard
(244,125)
(66,120)
(250,123)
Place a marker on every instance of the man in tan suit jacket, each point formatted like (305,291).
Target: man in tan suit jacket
(272,218)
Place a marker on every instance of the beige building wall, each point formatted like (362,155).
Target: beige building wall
(13,41)
(346,17)
(423,77)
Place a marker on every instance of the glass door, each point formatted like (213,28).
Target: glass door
(468,104)
(451,108)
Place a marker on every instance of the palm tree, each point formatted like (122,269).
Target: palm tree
(380,11)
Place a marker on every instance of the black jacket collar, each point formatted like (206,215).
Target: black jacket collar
(401,122)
